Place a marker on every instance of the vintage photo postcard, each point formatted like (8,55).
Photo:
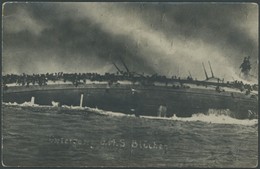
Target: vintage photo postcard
(121,84)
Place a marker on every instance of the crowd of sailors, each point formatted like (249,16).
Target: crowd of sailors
(80,78)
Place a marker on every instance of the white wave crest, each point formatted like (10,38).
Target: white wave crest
(213,116)
(209,118)
(11,104)
(217,119)
(25,104)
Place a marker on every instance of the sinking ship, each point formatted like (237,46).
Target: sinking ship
(132,93)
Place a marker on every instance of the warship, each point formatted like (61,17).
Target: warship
(133,93)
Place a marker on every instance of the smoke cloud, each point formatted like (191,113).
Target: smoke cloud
(164,38)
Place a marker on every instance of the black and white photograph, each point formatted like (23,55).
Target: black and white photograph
(130,84)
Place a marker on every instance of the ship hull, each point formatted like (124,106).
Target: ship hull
(138,99)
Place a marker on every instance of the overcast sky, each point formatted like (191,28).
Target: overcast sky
(164,38)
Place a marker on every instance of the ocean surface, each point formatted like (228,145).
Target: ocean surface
(36,135)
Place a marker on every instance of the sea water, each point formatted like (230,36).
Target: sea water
(36,135)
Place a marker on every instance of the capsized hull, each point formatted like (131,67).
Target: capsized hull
(138,99)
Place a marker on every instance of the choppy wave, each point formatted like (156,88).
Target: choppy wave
(212,116)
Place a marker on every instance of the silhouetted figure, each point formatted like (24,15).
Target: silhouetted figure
(245,66)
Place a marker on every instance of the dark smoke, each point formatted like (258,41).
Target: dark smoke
(165,38)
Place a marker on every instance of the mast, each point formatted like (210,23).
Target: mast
(211,69)
(124,65)
(190,74)
(205,71)
(120,71)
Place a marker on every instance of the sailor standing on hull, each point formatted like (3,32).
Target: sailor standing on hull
(162,111)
